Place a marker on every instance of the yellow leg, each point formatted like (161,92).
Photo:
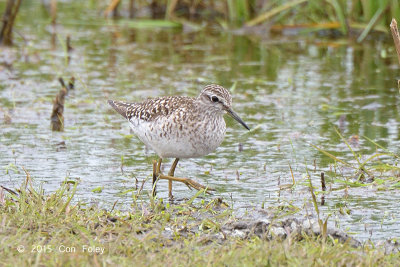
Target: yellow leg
(156,172)
(171,173)
(170,177)
(159,165)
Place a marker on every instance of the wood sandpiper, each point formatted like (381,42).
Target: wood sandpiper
(180,127)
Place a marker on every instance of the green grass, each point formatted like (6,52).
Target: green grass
(355,18)
(361,16)
(55,231)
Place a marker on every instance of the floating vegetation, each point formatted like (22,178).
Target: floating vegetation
(365,171)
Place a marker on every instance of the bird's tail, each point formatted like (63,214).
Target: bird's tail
(120,107)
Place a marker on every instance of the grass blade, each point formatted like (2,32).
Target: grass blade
(347,144)
(331,156)
(69,199)
(190,201)
(381,147)
(267,15)
(170,8)
(371,158)
(372,22)
(340,13)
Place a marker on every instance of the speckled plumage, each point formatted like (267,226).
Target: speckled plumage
(180,126)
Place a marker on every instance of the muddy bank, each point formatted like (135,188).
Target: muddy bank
(215,222)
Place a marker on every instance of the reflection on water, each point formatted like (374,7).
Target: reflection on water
(291,92)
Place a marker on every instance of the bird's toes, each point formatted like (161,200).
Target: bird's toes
(198,186)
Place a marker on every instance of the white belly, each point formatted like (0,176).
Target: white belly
(180,140)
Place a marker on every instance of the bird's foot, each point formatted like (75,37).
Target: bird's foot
(188,182)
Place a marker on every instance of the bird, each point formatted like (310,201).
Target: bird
(180,127)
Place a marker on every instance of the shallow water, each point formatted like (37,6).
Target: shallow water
(291,91)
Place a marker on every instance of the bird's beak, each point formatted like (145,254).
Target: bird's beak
(237,118)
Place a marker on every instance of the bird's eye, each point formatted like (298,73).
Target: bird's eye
(214,98)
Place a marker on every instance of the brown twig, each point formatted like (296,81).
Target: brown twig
(28,178)
(9,190)
(323,185)
(9,15)
(68,44)
(57,115)
(396,39)
(112,7)
(53,11)
(115,203)
(396,36)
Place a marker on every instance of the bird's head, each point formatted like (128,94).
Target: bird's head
(218,99)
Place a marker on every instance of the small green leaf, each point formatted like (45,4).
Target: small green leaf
(97,189)
(149,24)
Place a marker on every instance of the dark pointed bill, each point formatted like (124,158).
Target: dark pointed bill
(237,118)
